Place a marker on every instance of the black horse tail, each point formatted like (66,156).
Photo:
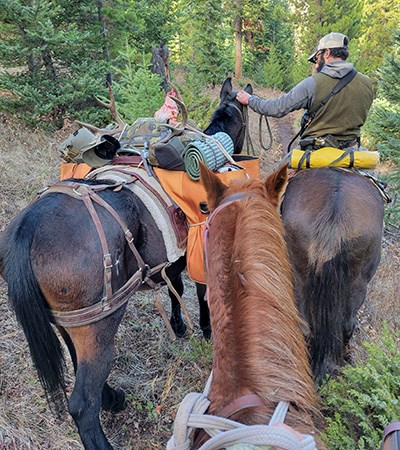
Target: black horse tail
(328,294)
(30,306)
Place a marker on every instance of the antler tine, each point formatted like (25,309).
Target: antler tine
(183,109)
(178,94)
(113,109)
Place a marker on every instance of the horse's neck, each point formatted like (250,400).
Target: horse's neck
(258,345)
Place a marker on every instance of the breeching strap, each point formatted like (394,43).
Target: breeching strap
(110,302)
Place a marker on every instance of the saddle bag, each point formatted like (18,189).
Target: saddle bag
(168,155)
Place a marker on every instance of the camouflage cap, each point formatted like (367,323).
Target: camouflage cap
(77,143)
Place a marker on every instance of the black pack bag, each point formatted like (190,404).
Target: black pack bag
(169,155)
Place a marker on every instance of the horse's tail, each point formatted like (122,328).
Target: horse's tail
(328,294)
(30,306)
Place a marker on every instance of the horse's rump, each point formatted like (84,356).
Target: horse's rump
(333,221)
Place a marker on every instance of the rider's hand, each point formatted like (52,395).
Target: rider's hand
(243,97)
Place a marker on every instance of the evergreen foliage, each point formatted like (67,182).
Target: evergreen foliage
(379,21)
(343,16)
(365,398)
(205,41)
(269,54)
(60,57)
(139,91)
(383,126)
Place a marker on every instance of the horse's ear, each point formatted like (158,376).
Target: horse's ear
(226,89)
(214,187)
(249,89)
(276,185)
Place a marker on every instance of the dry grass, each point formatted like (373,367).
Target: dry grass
(154,372)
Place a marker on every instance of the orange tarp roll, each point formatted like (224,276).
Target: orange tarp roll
(188,195)
(73,170)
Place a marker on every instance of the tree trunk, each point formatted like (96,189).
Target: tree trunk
(104,31)
(238,42)
(48,64)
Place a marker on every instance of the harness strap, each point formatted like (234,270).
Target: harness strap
(100,310)
(110,302)
(178,297)
(107,261)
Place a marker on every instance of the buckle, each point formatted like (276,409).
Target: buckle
(144,271)
(107,261)
(105,304)
(129,236)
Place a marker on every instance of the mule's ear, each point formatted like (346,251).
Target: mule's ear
(215,188)
(226,89)
(249,89)
(276,185)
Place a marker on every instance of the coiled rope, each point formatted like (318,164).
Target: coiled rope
(226,433)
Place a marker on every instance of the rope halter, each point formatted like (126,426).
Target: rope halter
(229,434)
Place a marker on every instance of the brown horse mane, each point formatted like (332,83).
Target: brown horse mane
(258,343)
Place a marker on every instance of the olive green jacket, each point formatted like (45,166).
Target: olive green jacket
(342,116)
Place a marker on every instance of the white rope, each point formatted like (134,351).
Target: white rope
(226,433)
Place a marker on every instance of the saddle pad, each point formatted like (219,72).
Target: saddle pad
(169,220)
(188,195)
(327,156)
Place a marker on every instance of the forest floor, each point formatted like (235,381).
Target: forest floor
(154,372)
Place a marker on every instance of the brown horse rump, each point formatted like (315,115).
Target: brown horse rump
(377,183)
(191,197)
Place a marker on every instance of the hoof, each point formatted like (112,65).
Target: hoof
(114,402)
(207,333)
(179,328)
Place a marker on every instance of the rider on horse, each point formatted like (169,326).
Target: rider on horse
(333,123)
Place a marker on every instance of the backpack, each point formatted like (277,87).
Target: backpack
(144,133)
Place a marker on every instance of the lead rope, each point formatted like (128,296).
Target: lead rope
(263,146)
(226,433)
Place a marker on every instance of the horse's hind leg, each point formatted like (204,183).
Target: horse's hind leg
(112,399)
(94,346)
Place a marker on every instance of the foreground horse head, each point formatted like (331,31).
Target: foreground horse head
(333,221)
(230,116)
(52,257)
(259,347)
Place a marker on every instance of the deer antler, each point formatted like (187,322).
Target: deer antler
(113,109)
(183,109)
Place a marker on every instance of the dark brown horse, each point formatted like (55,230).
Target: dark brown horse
(333,221)
(259,348)
(51,257)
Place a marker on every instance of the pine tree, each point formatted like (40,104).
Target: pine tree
(384,120)
(379,21)
(61,54)
(205,41)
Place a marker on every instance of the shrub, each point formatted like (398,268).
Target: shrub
(365,398)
